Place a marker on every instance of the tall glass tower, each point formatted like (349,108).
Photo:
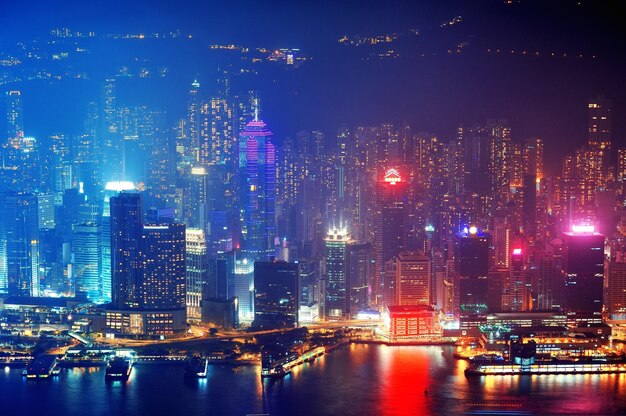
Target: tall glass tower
(19,245)
(257,204)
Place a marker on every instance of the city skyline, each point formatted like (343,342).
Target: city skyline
(413,207)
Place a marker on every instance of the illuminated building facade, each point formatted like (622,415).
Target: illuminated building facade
(19,245)
(87,261)
(390,230)
(126,234)
(257,192)
(359,274)
(14,115)
(163,267)
(276,294)
(472,266)
(244,289)
(516,287)
(413,274)
(217,134)
(148,273)
(337,297)
(583,273)
(411,323)
(197,273)
(616,305)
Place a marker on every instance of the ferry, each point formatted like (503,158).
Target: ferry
(546,367)
(196,367)
(42,367)
(119,368)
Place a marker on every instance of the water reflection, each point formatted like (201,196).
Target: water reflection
(356,380)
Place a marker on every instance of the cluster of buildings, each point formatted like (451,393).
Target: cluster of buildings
(212,222)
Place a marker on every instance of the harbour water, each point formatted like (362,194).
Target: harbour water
(352,380)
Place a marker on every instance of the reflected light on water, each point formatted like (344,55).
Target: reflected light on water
(404,374)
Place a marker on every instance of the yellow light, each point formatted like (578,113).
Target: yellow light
(473,230)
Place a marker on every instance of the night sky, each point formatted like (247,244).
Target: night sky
(543,95)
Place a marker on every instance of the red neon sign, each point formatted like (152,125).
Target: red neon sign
(392,176)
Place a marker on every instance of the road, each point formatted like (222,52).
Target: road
(201,332)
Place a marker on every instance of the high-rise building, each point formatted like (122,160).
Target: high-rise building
(217,137)
(197,274)
(600,121)
(126,233)
(257,191)
(616,299)
(413,274)
(533,157)
(163,267)
(19,245)
(21,168)
(148,272)
(621,165)
(359,276)
(547,278)
(276,294)
(14,115)
(472,266)
(516,285)
(583,272)
(337,299)
(111,189)
(243,285)
(191,143)
(45,203)
(390,226)
(87,260)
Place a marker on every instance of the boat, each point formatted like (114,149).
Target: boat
(196,367)
(546,367)
(119,368)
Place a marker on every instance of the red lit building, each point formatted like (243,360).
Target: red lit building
(411,323)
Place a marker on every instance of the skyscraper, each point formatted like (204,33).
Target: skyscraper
(87,261)
(126,235)
(600,121)
(257,192)
(516,286)
(276,294)
(413,274)
(217,133)
(244,288)
(616,305)
(337,299)
(148,272)
(15,115)
(19,245)
(197,271)
(360,268)
(583,272)
(163,267)
(390,225)
(472,266)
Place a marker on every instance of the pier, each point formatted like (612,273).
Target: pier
(42,367)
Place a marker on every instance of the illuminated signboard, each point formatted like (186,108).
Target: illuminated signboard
(392,176)
(583,229)
(517,251)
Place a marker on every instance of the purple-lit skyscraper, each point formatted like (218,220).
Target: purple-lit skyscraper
(257,192)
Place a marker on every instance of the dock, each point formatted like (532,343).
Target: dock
(42,367)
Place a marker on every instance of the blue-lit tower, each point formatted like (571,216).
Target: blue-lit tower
(19,245)
(257,191)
